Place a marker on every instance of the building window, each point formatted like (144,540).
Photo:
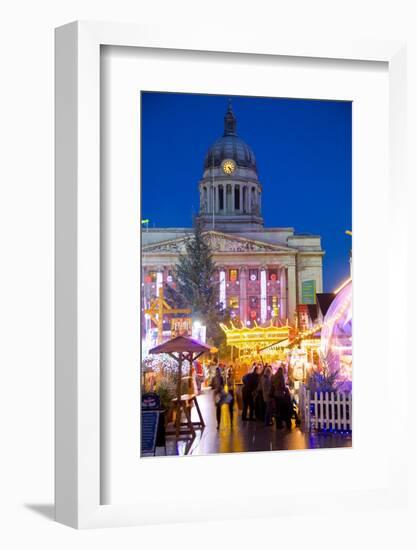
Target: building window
(245,198)
(237,197)
(170,277)
(253,274)
(221,198)
(253,302)
(233,275)
(151,277)
(234,302)
(205,201)
(272,274)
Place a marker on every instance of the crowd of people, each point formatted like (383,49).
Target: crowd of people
(266,396)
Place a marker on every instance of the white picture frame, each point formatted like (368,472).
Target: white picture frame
(78,426)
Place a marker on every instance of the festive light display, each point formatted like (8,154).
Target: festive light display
(163,364)
(336,337)
(255,338)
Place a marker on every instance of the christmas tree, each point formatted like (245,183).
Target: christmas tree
(196,286)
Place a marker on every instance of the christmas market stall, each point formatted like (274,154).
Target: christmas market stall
(184,351)
(246,343)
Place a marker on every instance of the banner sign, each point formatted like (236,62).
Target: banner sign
(151,400)
(308,292)
(181,326)
(150,421)
(303,317)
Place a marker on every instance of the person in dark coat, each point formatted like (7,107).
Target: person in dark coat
(250,384)
(217,384)
(282,397)
(230,383)
(260,405)
(266,387)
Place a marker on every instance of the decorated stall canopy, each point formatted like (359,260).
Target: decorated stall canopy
(181,345)
(256,338)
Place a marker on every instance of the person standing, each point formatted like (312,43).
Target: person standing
(282,397)
(200,375)
(250,383)
(217,384)
(259,398)
(230,383)
(266,387)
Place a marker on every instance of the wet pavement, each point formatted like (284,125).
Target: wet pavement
(249,436)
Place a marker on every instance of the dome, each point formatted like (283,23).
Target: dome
(230,146)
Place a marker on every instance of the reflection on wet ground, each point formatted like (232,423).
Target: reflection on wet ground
(246,436)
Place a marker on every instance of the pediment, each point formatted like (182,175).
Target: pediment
(219,242)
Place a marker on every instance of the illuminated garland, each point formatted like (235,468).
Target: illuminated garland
(164,364)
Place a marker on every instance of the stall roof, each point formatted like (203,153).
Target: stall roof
(324,299)
(181,344)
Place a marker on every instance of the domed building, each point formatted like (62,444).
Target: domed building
(263,273)
(230,189)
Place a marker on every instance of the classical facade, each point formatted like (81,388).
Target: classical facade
(262,273)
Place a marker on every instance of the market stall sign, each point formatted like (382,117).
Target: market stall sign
(308,292)
(151,401)
(150,421)
(181,326)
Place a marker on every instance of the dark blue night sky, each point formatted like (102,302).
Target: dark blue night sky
(303,150)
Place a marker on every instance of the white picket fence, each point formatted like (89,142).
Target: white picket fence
(326,410)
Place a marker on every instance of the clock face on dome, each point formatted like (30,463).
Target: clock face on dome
(229,166)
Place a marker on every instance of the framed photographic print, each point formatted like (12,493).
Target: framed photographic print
(276,350)
(219,292)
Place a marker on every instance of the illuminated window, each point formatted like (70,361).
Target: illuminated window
(233,275)
(253,274)
(234,302)
(272,274)
(151,277)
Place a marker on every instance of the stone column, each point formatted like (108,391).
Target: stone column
(283,294)
(222,286)
(233,197)
(243,306)
(217,199)
(240,198)
(292,293)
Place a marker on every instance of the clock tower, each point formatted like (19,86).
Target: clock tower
(230,191)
